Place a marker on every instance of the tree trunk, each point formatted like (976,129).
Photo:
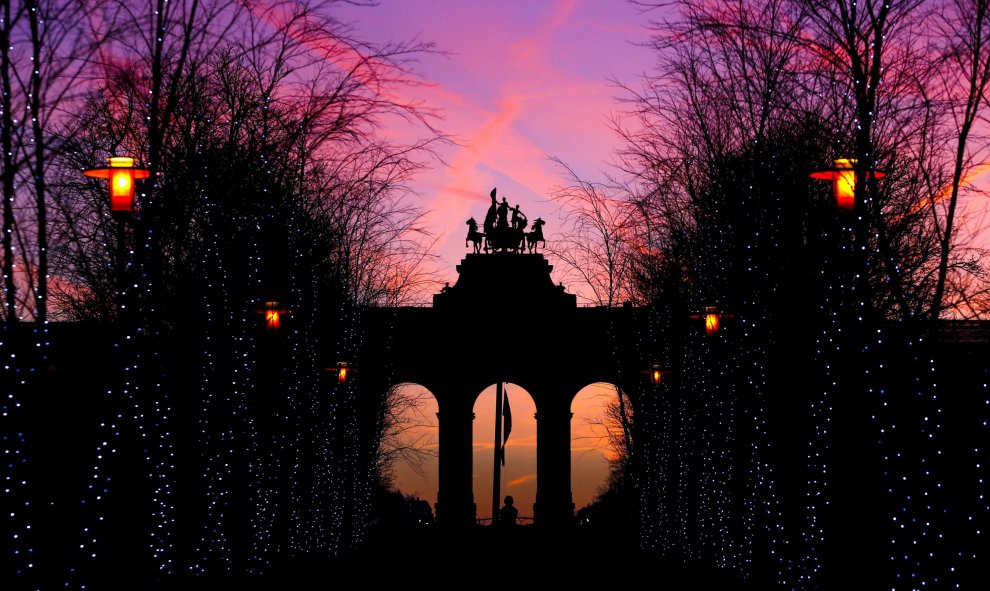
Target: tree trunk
(7,140)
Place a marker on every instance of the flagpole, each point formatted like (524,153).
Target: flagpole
(497,466)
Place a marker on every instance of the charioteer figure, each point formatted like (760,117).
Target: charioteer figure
(499,235)
(503,215)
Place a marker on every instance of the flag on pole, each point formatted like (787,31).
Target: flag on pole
(507,422)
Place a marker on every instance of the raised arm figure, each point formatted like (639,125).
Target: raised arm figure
(519,220)
(503,214)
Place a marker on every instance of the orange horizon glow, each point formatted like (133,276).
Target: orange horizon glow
(591,451)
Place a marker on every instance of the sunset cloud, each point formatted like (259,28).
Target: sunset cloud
(523,81)
(529,478)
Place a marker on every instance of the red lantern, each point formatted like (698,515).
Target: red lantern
(843,177)
(121,172)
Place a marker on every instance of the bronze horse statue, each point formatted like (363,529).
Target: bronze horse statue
(536,235)
(474,235)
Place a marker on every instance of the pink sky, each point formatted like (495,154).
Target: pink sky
(524,81)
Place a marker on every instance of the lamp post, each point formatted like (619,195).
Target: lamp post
(845,180)
(853,369)
(121,172)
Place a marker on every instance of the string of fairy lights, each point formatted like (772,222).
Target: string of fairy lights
(706,485)
(214,546)
(16,494)
(650,468)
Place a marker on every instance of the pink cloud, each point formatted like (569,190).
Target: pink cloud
(523,81)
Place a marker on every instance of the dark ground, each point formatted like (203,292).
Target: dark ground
(483,558)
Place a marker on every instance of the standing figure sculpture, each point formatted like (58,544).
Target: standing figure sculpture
(491,215)
(503,214)
(519,220)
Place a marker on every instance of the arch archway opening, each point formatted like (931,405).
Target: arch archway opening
(518,476)
(408,457)
(601,439)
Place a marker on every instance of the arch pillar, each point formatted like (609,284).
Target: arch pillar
(554,503)
(455,505)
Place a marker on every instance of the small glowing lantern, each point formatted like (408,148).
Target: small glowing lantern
(656,374)
(121,172)
(343,370)
(713,318)
(711,322)
(273,314)
(843,177)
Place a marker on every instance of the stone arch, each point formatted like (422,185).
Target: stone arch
(539,339)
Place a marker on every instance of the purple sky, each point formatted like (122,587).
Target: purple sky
(524,80)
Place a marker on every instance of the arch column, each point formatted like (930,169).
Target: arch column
(455,505)
(554,504)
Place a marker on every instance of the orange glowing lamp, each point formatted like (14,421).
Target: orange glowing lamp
(121,172)
(273,314)
(713,318)
(343,370)
(711,322)
(656,374)
(843,177)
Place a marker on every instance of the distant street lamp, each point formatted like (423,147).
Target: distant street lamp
(712,317)
(655,374)
(343,370)
(273,313)
(843,177)
(121,172)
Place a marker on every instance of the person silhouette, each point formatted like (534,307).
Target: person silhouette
(503,214)
(507,514)
(518,218)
